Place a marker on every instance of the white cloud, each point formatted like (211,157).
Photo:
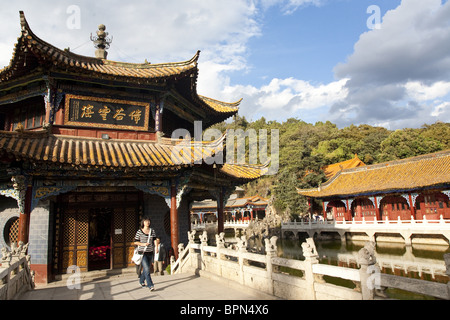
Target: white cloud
(284,98)
(160,33)
(441,109)
(420,91)
(396,75)
(289,6)
(173,32)
(397,71)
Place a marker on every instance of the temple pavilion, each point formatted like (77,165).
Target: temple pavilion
(414,188)
(237,209)
(86,150)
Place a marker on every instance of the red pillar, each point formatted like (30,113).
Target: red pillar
(24,218)
(174,220)
(48,106)
(349,211)
(220,218)
(413,211)
(358,210)
(377,210)
(310,208)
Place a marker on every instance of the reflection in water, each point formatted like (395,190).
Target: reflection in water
(419,261)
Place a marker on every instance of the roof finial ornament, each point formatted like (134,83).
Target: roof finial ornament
(101,42)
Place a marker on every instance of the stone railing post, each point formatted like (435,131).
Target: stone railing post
(192,256)
(311,257)
(271,251)
(204,239)
(172,263)
(220,244)
(447,271)
(242,249)
(369,271)
(180,256)
(6,258)
(203,243)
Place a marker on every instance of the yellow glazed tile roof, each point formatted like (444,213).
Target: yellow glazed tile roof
(94,152)
(221,106)
(60,149)
(243,171)
(47,53)
(401,175)
(332,169)
(30,52)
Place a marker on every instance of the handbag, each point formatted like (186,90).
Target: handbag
(137,257)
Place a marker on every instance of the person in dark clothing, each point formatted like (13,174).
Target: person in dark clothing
(159,257)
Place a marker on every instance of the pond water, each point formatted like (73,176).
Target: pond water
(424,261)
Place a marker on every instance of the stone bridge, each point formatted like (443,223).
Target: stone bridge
(406,228)
(296,279)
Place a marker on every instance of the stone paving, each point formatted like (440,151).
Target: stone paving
(187,286)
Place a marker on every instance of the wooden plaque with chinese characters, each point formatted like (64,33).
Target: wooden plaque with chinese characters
(106,113)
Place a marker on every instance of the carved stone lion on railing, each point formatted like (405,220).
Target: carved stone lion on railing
(241,243)
(191,236)
(366,255)
(204,237)
(271,244)
(6,255)
(220,239)
(309,248)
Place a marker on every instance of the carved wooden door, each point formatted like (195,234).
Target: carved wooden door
(125,225)
(75,237)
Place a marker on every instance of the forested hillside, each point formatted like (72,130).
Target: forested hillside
(305,148)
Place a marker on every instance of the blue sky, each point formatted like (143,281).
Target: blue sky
(315,60)
(310,41)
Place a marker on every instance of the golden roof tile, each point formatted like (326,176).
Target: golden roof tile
(401,175)
(65,58)
(245,172)
(94,152)
(45,53)
(221,106)
(332,169)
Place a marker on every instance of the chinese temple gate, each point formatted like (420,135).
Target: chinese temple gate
(414,188)
(86,152)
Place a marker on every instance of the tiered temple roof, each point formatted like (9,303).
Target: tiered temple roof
(96,153)
(34,59)
(32,55)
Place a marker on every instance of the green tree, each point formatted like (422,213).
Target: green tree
(407,143)
(439,131)
(305,148)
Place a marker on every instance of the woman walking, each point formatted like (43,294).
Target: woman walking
(144,239)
